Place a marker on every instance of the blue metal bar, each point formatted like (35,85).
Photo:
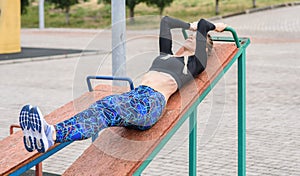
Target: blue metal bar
(88,79)
(39,159)
(193,143)
(242,115)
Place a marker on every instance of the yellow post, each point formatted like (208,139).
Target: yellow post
(10,26)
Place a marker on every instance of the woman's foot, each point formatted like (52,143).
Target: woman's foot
(37,132)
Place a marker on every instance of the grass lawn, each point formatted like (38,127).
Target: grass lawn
(93,15)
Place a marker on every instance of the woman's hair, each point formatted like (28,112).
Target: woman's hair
(209,44)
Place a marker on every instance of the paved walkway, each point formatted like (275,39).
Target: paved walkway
(273,95)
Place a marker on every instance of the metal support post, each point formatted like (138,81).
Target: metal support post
(193,143)
(118,39)
(38,169)
(242,114)
(41,14)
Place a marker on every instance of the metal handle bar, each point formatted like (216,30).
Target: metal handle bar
(228,28)
(234,34)
(88,79)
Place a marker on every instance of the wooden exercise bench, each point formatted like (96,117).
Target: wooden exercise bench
(122,151)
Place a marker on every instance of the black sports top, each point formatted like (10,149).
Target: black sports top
(181,69)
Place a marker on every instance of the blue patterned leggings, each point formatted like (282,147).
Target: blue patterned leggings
(140,109)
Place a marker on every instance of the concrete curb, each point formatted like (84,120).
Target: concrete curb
(253,10)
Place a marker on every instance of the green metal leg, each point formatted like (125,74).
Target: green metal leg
(193,144)
(242,115)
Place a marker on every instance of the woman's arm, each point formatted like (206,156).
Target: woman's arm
(203,27)
(165,36)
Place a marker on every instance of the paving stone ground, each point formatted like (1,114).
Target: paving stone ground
(273,95)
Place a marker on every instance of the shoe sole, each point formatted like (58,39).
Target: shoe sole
(38,131)
(26,128)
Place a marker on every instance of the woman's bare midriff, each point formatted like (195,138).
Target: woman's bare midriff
(161,82)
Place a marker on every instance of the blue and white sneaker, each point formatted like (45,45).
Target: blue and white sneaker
(41,131)
(26,127)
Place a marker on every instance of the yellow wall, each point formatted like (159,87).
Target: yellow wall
(10,26)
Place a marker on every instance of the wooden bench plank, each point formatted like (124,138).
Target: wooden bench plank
(120,151)
(13,154)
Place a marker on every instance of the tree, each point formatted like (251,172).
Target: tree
(66,6)
(24,4)
(254,3)
(217,7)
(161,4)
(129,3)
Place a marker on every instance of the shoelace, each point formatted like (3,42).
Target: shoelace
(185,69)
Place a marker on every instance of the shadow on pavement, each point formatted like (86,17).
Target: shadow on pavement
(32,173)
(28,52)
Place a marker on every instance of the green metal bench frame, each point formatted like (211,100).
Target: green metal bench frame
(241,44)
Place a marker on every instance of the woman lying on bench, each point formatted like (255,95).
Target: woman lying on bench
(140,108)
